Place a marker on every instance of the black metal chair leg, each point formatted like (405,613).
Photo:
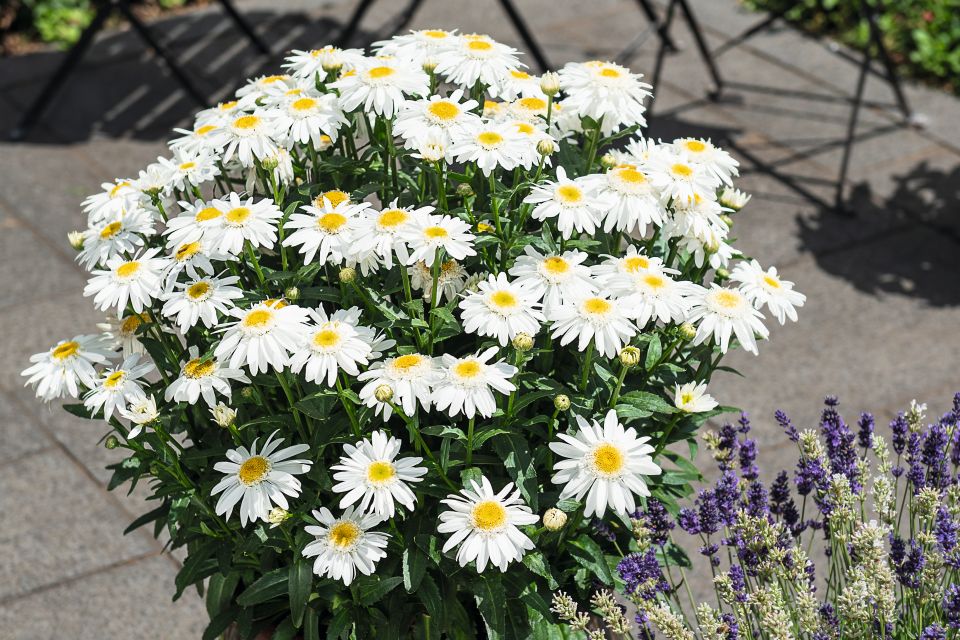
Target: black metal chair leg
(245,27)
(525,35)
(870,13)
(658,63)
(346,35)
(74,55)
(654,20)
(154,44)
(702,46)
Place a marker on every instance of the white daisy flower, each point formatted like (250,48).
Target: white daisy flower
(120,334)
(328,346)
(115,234)
(607,464)
(115,198)
(258,480)
(693,398)
(381,85)
(244,221)
(478,58)
(370,473)
(517,83)
(345,546)
(207,136)
(263,336)
(196,220)
(529,109)
(734,199)
(653,295)
(258,87)
(251,136)
(61,370)
(606,92)
(326,232)
(194,258)
(307,116)
(188,169)
(501,309)
(553,278)
(200,300)
(382,231)
(630,200)
(203,378)
(631,263)
(676,177)
(377,340)
(451,279)
(489,145)
(468,384)
(307,64)
(435,115)
(572,202)
(136,281)
(712,248)
(426,234)
(714,160)
(722,312)
(140,413)
(485,525)
(597,318)
(224,112)
(410,377)
(766,288)
(117,386)
(417,46)
(699,218)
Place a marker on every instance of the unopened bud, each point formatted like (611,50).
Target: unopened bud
(429,64)
(111,442)
(248,393)
(554,519)
(734,199)
(270,163)
(348,274)
(712,246)
(550,83)
(545,147)
(75,238)
(332,65)
(223,415)
(277,516)
(523,342)
(561,402)
(687,331)
(607,161)
(292,294)
(383,393)
(630,356)
(464,190)
(722,274)
(727,220)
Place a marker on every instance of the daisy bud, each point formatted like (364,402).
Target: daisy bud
(111,442)
(523,342)
(630,356)
(433,152)
(546,147)
(554,519)
(277,516)
(223,415)
(248,393)
(734,199)
(722,274)
(332,65)
(687,331)
(429,64)
(270,163)
(75,238)
(292,294)
(712,246)
(464,190)
(348,274)
(383,393)
(607,161)
(561,402)
(727,220)
(550,83)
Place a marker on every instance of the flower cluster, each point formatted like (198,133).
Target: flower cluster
(439,283)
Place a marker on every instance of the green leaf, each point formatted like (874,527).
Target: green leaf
(646,402)
(311,625)
(220,590)
(516,458)
(219,623)
(159,512)
(488,591)
(654,351)
(78,410)
(588,554)
(537,563)
(285,630)
(372,590)
(429,595)
(268,586)
(341,623)
(414,566)
(300,585)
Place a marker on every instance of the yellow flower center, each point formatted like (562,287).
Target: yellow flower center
(253,470)
(66,349)
(275,303)
(326,338)
(237,215)
(489,515)
(727,299)
(186,166)
(303,104)
(610,72)
(686,398)
(525,128)
(483,227)
(198,290)
(227,106)
(608,459)
(187,251)
(380,72)
(204,130)
(335,196)
(407,362)
(435,232)
(569,194)
(654,281)
(380,471)
(331,222)
(467,369)
(115,379)
(533,104)
(519,75)
(207,213)
(246,122)
(489,138)
(479,45)
(344,534)
(435,33)
(771,282)
(392,218)
(111,230)
(293,92)
(631,175)
(272,79)
(556,265)
(503,299)
(635,263)
(130,324)
(116,189)
(695,145)
(198,368)
(444,110)
(681,170)
(597,306)
(257,319)
(128,269)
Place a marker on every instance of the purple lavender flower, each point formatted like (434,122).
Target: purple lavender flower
(839,440)
(657,520)
(748,458)
(908,571)
(739,582)
(934,632)
(756,502)
(933,455)
(732,630)
(727,445)
(642,574)
(865,432)
(603,530)
(915,473)
(784,421)
(727,495)
(689,521)
(945,528)
(899,427)
(951,606)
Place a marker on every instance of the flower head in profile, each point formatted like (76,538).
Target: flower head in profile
(767,288)
(369,473)
(607,464)
(417,46)
(259,479)
(485,525)
(692,397)
(307,64)
(67,365)
(345,546)
(117,386)
(140,412)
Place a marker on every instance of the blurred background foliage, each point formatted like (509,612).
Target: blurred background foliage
(923,36)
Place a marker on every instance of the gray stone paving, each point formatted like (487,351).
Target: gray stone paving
(880,327)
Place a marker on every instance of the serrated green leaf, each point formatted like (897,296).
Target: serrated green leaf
(372,590)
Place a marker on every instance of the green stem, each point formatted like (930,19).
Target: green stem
(289,394)
(348,407)
(616,390)
(470,424)
(254,261)
(587,361)
(666,433)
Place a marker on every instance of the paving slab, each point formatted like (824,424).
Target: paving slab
(19,435)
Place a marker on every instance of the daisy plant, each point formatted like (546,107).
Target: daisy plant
(388,330)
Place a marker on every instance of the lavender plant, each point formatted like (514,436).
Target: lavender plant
(861,542)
